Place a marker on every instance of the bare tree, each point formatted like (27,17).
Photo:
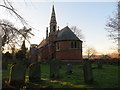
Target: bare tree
(78,32)
(16,34)
(26,33)
(11,9)
(8,32)
(91,52)
(113,27)
(12,36)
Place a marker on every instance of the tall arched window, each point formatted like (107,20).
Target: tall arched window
(78,45)
(57,46)
(72,45)
(75,44)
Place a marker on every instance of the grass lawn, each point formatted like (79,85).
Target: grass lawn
(104,78)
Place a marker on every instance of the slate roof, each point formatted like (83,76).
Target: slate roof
(66,34)
(43,43)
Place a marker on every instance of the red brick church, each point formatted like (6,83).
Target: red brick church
(61,44)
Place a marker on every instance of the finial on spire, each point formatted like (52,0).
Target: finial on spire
(46,32)
(53,2)
(47,28)
(53,10)
(67,23)
(58,28)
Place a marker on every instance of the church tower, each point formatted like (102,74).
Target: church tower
(53,23)
(52,34)
(53,26)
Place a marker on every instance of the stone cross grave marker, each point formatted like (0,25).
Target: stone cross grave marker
(87,69)
(54,69)
(34,72)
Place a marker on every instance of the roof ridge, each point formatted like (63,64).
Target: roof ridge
(66,34)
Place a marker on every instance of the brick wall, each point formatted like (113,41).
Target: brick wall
(66,52)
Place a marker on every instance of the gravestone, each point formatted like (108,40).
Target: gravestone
(69,69)
(87,69)
(18,71)
(6,60)
(34,72)
(54,69)
(17,74)
(99,63)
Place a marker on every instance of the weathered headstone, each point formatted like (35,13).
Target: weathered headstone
(6,60)
(99,63)
(69,69)
(54,69)
(18,71)
(87,69)
(17,74)
(34,72)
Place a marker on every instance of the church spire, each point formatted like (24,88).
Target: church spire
(53,23)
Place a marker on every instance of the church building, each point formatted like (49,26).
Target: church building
(61,44)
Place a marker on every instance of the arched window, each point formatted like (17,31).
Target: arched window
(78,45)
(72,46)
(75,44)
(57,46)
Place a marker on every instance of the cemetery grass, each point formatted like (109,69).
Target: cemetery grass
(104,78)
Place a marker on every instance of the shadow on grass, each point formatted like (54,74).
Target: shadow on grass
(104,78)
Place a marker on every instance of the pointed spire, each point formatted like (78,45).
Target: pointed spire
(53,17)
(53,23)
(53,9)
